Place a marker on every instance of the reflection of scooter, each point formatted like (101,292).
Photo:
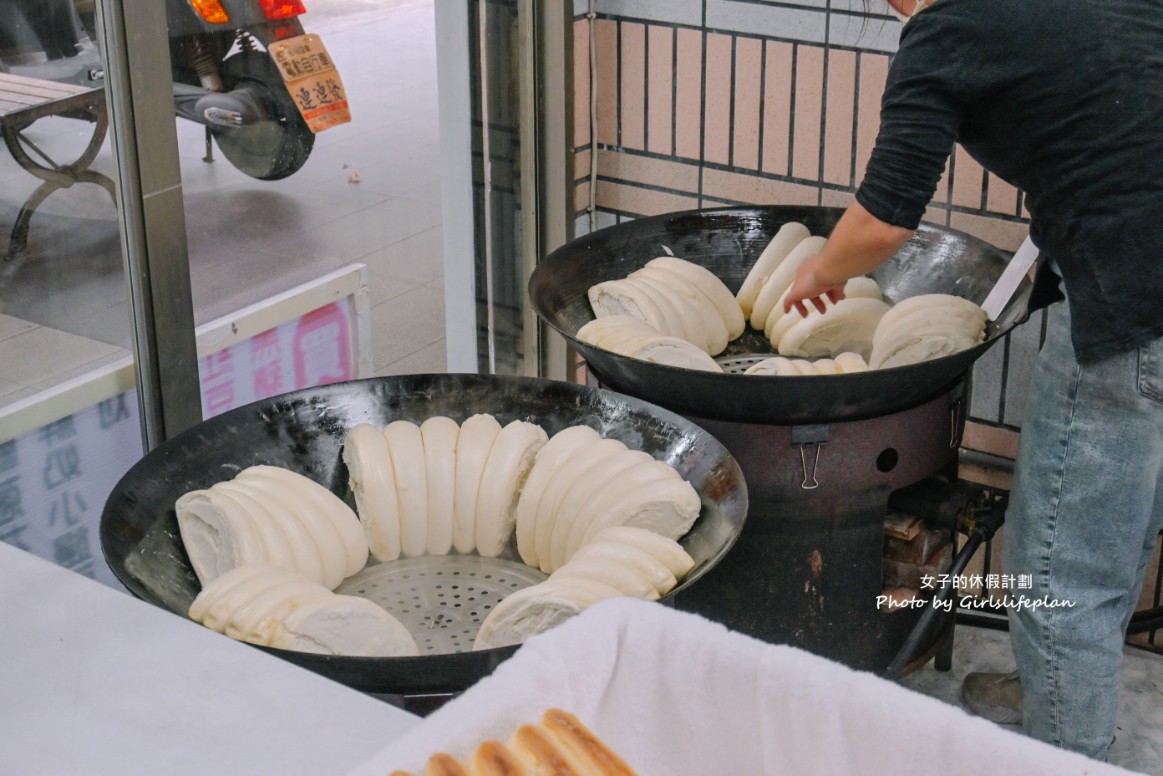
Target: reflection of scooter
(224,80)
(225,76)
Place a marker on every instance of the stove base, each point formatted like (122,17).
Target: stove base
(808,565)
(811,584)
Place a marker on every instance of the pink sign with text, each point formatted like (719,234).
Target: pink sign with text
(314,349)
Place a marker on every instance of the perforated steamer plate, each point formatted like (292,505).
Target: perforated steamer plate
(441,599)
(737,365)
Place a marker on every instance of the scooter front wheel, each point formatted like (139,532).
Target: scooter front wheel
(279,144)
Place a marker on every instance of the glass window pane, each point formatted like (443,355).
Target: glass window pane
(68,415)
(274,210)
(315,252)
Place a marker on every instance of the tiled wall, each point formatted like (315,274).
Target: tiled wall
(704,103)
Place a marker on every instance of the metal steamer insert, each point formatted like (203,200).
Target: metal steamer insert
(442,600)
(737,365)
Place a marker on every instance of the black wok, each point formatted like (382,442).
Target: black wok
(728,241)
(304,431)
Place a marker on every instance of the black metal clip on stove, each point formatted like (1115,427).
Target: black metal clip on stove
(970,509)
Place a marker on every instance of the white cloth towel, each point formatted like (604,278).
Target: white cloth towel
(676,694)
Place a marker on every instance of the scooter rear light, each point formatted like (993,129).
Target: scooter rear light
(286,30)
(211,10)
(282,9)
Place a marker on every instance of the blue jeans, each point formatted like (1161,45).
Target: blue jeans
(1085,510)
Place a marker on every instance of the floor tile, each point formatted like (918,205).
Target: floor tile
(427,154)
(24,357)
(395,179)
(432,359)
(10,326)
(418,259)
(8,388)
(22,393)
(365,231)
(406,324)
(429,192)
(110,325)
(115,356)
(382,289)
(214,228)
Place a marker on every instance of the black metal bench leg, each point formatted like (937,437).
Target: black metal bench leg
(18,242)
(55,178)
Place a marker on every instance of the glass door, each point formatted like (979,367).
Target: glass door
(68,412)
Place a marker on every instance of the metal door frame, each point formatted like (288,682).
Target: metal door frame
(134,39)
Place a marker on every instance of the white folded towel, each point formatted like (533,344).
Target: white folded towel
(675,694)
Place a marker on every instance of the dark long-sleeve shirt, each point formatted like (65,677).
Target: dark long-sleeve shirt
(1063,99)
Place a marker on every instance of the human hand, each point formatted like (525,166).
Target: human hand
(809,287)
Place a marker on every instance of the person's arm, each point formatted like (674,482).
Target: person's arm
(859,244)
(920,118)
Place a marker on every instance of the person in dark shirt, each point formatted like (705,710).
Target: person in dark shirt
(1064,100)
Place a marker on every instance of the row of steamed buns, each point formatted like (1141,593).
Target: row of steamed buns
(430,489)
(676,312)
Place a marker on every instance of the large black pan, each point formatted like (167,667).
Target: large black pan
(728,241)
(304,431)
